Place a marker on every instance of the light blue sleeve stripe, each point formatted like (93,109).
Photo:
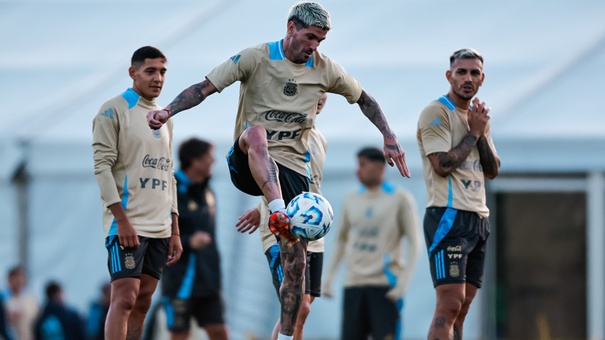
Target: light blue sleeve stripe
(113,230)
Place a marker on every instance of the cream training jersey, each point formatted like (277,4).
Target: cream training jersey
(133,165)
(317,146)
(371,230)
(282,96)
(441,127)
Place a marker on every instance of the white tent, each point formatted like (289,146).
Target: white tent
(61,59)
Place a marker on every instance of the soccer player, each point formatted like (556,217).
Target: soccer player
(133,167)
(457,154)
(259,216)
(281,83)
(192,287)
(375,221)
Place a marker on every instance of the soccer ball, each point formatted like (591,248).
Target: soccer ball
(310,216)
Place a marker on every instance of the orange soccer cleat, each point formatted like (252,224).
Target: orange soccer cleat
(279,224)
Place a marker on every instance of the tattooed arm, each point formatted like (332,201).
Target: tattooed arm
(489,161)
(392,150)
(190,97)
(444,163)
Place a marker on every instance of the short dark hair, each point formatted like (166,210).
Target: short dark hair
(465,53)
(191,149)
(145,52)
(15,270)
(53,288)
(373,154)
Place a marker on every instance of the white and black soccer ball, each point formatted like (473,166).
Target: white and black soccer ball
(310,216)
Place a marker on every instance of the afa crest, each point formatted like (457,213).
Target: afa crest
(454,270)
(129,262)
(291,88)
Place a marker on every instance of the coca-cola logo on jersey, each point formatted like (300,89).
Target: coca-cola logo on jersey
(285,117)
(161,163)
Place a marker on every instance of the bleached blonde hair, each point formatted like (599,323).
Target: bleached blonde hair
(305,14)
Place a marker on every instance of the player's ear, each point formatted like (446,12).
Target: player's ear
(448,75)
(291,28)
(131,71)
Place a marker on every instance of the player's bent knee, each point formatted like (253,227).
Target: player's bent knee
(255,135)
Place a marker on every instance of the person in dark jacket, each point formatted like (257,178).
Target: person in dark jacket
(97,313)
(4,331)
(191,289)
(57,320)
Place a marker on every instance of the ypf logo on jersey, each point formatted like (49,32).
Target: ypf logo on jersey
(291,88)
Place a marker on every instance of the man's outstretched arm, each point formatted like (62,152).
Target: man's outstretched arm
(190,97)
(392,150)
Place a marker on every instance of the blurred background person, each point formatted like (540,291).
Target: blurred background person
(375,221)
(21,305)
(191,289)
(4,333)
(57,320)
(97,313)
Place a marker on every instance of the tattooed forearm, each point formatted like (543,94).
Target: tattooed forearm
(446,162)
(489,161)
(190,97)
(271,173)
(372,110)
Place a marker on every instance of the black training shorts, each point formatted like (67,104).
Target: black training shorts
(367,311)
(313,271)
(456,242)
(207,310)
(292,183)
(148,258)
